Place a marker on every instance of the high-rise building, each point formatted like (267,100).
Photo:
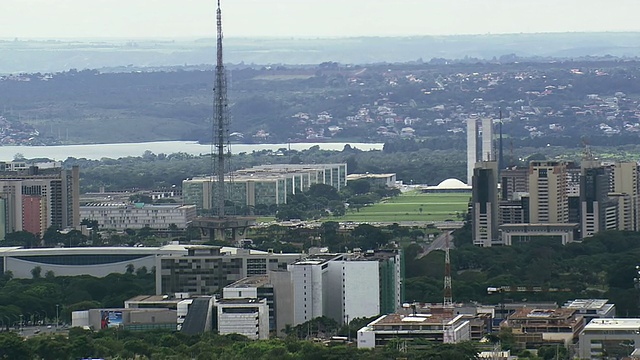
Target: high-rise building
(487,140)
(514,181)
(472,149)
(548,200)
(624,180)
(37,197)
(336,286)
(485,203)
(597,211)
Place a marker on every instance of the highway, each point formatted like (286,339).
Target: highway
(438,243)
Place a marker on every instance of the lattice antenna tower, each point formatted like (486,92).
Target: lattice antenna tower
(220,145)
(448,299)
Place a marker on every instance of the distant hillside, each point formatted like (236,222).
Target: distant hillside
(52,56)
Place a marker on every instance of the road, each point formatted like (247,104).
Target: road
(439,243)
(29,331)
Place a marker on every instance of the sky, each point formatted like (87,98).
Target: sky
(59,19)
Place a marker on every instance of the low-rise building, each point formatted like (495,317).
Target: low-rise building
(609,338)
(386,180)
(121,216)
(533,327)
(443,327)
(127,319)
(592,308)
(248,317)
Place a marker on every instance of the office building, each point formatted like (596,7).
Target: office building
(591,309)
(472,147)
(609,338)
(597,212)
(254,287)
(336,286)
(548,200)
(532,327)
(485,204)
(624,180)
(34,198)
(384,180)
(132,319)
(445,328)
(121,216)
(514,181)
(204,270)
(264,185)
(487,140)
(248,317)
(74,261)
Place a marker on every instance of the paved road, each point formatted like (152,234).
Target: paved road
(29,331)
(438,243)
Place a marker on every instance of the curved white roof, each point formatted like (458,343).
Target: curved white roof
(452,184)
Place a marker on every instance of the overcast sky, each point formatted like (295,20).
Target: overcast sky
(309,18)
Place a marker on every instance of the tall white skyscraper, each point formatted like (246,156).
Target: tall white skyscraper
(472,149)
(487,140)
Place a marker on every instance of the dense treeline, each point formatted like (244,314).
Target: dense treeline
(165,345)
(600,267)
(36,300)
(155,171)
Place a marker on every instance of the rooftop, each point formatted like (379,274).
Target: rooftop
(450,184)
(250,281)
(586,304)
(614,324)
(418,319)
(533,313)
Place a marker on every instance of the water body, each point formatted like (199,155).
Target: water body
(114,151)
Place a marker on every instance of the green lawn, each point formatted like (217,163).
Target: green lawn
(406,207)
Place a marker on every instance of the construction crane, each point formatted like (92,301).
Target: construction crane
(520,289)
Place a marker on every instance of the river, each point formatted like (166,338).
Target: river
(114,151)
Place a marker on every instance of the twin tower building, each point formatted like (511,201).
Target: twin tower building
(548,198)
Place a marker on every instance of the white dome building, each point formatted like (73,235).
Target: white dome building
(450,185)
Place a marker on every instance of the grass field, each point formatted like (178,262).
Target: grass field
(412,206)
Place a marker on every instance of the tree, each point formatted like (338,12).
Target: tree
(130,269)
(21,238)
(360,186)
(36,272)
(52,236)
(12,346)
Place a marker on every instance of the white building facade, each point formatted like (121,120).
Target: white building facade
(136,216)
(248,317)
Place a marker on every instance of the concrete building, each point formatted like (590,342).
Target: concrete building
(254,287)
(514,180)
(624,180)
(472,147)
(386,180)
(485,204)
(204,270)
(391,271)
(444,328)
(122,216)
(591,309)
(336,286)
(516,233)
(450,185)
(126,319)
(609,338)
(248,317)
(35,198)
(548,200)
(487,140)
(533,328)
(265,185)
(597,212)
(94,261)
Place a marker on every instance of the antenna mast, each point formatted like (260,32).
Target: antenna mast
(220,145)
(448,300)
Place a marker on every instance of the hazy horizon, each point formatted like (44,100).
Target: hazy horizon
(309,19)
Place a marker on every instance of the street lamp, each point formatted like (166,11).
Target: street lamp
(57,306)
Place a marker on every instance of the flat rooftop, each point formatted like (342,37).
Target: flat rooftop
(418,319)
(583,304)
(532,313)
(250,281)
(632,324)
